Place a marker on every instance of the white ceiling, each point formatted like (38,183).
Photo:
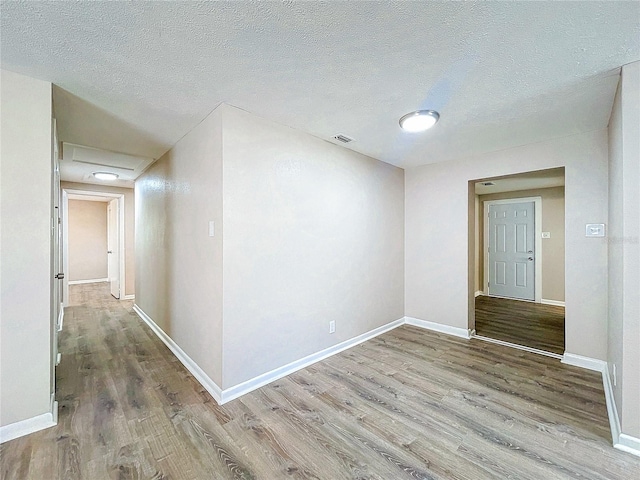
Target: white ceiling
(135,77)
(78,164)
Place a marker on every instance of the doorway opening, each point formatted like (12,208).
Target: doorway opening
(93,240)
(517,277)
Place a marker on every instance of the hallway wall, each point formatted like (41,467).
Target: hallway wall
(313,233)
(179,266)
(306,232)
(25,256)
(87,240)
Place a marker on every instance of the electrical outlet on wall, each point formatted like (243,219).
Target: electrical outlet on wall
(332,326)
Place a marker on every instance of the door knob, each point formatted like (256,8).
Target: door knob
(60,276)
(530,259)
(109,251)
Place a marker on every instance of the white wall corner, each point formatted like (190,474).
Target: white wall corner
(199,374)
(268,377)
(30,425)
(438,327)
(60,317)
(584,362)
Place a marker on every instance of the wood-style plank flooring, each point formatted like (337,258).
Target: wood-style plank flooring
(524,323)
(408,404)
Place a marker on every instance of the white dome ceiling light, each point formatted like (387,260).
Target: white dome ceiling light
(419,121)
(105,176)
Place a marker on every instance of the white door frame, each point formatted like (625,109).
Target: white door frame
(537,242)
(65,239)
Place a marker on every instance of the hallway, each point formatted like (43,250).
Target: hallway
(408,404)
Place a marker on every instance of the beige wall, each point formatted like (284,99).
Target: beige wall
(129,226)
(624,249)
(87,240)
(552,248)
(25,236)
(439,265)
(179,267)
(313,233)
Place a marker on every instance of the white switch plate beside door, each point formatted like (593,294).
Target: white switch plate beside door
(595,230)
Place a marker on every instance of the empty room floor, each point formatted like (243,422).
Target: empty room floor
(524,323)
(408,404)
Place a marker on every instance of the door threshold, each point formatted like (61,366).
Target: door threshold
(510,298)
(518,347)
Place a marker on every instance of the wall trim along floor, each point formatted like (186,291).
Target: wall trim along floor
(557,303)
(438,327)
(91,280)
(621,441)
(584,362)
(30,425)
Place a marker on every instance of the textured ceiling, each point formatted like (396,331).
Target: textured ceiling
(135,77)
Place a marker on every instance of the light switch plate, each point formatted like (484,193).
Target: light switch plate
(595,230)
(212,229)
(546,234)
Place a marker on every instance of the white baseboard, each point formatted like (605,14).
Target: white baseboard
(199,374)
(628,444)
(478,293)
(265,378)
(515,345)
(621,441)
(129,297)
(557,303)
(438,327)
(584,362)
(93,280)
(612,411)
(30,425)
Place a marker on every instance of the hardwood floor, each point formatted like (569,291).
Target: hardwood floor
(408,404)
(524,323)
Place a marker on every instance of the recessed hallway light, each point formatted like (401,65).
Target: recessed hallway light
(105,176)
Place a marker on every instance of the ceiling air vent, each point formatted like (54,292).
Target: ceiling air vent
(343,138)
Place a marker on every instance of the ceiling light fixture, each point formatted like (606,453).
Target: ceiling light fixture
(419,121)
(105,176)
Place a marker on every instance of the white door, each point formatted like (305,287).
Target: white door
(113,247)
(512,250)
